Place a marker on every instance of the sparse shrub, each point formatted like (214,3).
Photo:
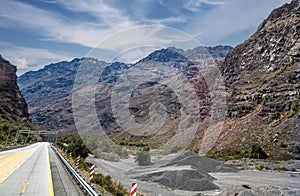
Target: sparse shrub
(257,152)
(259,167)
(282,144)
(109,185)
(147,148)
(276,116)
(292,62)
(143,158)
(294,106)
(264,101)
(175,149)
(282,69)
(109,156)
(280,168)
(283,157)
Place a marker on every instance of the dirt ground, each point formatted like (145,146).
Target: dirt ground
(242,183)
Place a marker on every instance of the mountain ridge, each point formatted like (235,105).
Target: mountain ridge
(262,80)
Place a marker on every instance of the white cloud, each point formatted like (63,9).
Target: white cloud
(57,28)
(27,59)
(229,18)
(195,5)
(54,27)
(106,14)
(140,39)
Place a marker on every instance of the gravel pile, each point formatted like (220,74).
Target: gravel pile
(188,172)
(201,163)
(190,180)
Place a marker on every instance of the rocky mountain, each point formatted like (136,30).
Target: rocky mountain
(262,77)
(13,108)
(216,52)
(48,91)
(48,94)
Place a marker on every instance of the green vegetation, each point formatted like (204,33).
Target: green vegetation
(280,168)
(264,101)
(282,144)
(292,62)
(143,158)
(174,149)
(131,143)
(282,157)
(109,185)
(105,149)
(262,167)
(294,107)
(256,152)
(276,116)
(283,69)
(73,143)
(8,132)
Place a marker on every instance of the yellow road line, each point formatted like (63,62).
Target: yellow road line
(9,163)
(50,176)
(24,186)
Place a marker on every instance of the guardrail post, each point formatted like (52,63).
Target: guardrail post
(77,163)
(92,169)
(133,189)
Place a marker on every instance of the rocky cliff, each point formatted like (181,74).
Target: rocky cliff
(13,108)
(262,76)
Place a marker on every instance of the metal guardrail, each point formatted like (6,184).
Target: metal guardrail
(87,188)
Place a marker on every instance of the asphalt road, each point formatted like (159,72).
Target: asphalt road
(27,171)
(32,176)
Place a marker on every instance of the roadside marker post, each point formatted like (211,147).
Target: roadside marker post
(133,189)
(77,163)
(92,169)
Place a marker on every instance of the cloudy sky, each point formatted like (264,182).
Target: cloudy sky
(34,33)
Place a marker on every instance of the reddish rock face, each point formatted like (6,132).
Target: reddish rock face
(7,74)
(13,107)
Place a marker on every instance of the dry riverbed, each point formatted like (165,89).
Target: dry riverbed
(177,175)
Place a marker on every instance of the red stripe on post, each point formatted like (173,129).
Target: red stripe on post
(92,172)
(133,189)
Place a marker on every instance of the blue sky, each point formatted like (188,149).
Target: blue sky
(35,33)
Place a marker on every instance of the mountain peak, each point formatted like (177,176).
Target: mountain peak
(285,10)
(165,55)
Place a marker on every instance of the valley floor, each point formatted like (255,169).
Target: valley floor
(245,182)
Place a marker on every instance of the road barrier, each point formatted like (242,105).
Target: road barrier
(133,189)
(83,184)
(92,170)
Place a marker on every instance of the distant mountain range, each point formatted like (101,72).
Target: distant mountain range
(48,91)
(262,78)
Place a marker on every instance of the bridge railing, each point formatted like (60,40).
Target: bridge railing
(85,186)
